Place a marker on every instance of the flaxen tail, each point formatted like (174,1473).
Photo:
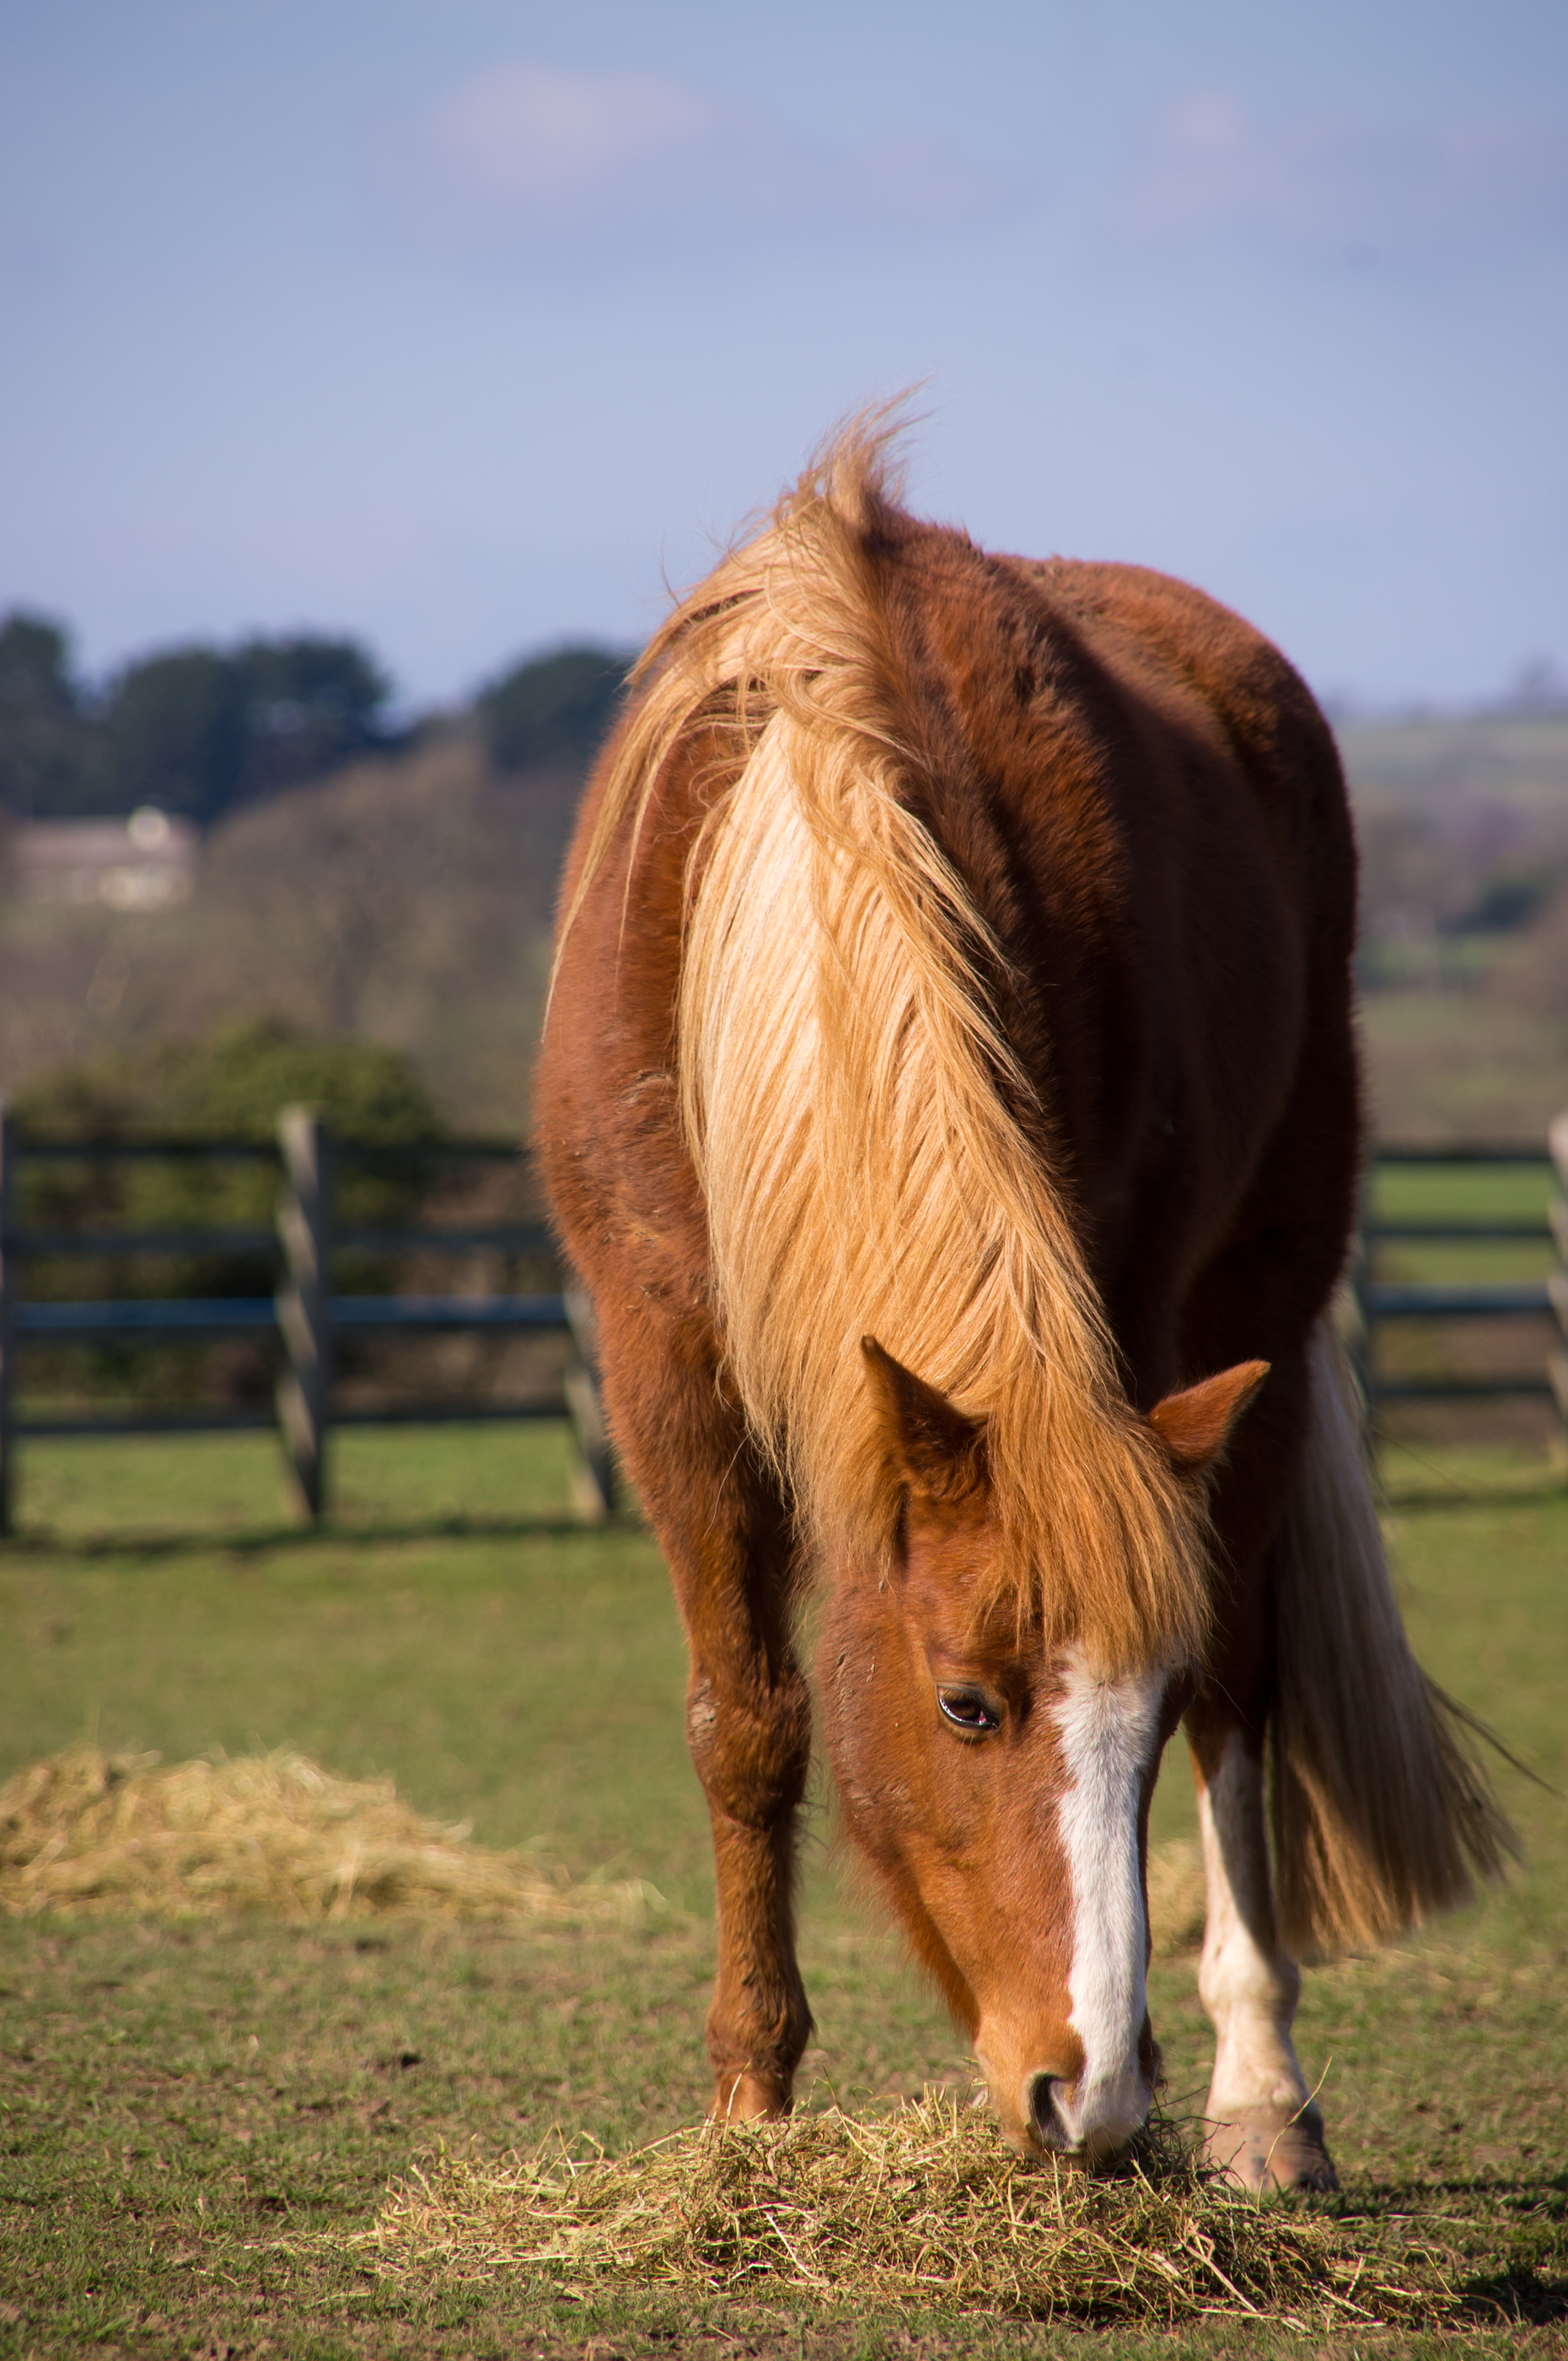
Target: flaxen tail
(1381,1815)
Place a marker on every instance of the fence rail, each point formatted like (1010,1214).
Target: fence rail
(309,1314)
(1378,1300)
(305,1312)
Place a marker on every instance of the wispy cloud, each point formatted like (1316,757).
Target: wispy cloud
(1338,181)
(544,161)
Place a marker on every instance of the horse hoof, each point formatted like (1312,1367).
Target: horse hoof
(748,2099)
(1258,2149)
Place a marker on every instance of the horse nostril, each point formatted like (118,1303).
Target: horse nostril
(1048,2124)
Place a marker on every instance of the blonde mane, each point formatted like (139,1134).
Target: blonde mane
(848,1092)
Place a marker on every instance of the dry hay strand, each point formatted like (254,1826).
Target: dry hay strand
(90,1831)
(925,2201)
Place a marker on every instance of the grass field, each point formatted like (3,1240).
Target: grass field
(196,2115)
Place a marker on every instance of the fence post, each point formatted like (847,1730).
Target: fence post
(8,1275)
(304,1303)
(1557,1284)
(593,1483)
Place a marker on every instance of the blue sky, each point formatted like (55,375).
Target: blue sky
(468,327)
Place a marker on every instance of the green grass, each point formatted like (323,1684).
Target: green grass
(156,1489)
(1462,1191)
(520,1673)
(191,2116)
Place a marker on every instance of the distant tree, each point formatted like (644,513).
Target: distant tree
(1538,687)
(42,727)
(193,729)
(552,709)
(310,705)
(1508,899)
(173,732)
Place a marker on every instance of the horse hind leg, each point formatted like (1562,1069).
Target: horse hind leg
(1263,2129)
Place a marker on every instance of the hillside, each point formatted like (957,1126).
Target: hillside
(405,900)
(1464,832)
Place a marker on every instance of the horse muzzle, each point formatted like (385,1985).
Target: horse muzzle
(1083,2123)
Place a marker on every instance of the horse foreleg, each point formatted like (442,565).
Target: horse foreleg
(728,1544)
(749,1726)
(749,1729)
(1263,2129)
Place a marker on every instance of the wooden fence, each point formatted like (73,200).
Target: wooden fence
(305,1312)
(309,1315)
(1378,1302)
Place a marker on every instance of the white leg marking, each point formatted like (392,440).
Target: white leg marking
(1249,1986)
(1108,1731)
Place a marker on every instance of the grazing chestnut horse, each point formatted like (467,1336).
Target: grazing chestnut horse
(949,1097)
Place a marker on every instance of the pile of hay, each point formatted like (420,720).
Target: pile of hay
(91,1831)
(925,2203)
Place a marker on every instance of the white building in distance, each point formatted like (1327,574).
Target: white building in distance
(146,862)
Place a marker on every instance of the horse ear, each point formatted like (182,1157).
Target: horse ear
(1195,1424)
(940,1453)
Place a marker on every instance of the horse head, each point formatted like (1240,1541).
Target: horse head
(998,1781)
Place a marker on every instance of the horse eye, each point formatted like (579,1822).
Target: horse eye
(969,1710)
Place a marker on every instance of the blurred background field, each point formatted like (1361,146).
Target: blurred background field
(1463,824)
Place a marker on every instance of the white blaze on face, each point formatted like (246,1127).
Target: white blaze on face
(1108,1731)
